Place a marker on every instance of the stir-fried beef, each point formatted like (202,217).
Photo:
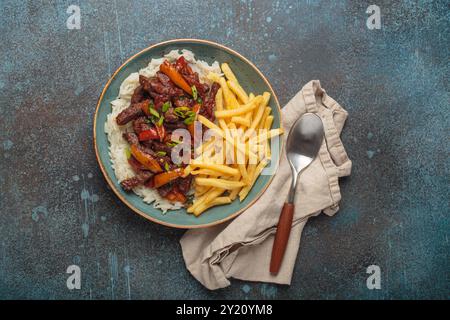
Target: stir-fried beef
(208,107)
(139,94)
(183,101)
(171,126)
(141,124)
(165,190)
(150,142)
(184,184)
(140,178)
(170,116)
(158,146)
(131,138)
(130,113)
(136,165)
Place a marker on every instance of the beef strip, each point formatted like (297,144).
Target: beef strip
(175,125)
(170,116)
(139,94)
(164,190)
(130,113)
(208,106)
(131,138)
(160,85)
(141,124)
(182,101)
(184,184)
(136,165)
(158,146)
(159,100)
(140,178)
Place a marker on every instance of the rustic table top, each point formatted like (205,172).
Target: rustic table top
(56,208)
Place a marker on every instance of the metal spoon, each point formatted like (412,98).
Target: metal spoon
(303,144)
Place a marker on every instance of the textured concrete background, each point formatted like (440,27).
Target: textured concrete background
(56,209)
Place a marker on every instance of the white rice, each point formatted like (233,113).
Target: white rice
(118,145)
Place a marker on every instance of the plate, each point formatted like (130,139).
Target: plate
(251,79)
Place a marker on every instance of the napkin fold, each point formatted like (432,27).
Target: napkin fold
(242,248)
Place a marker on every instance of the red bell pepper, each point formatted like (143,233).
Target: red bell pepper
(161,132)
(151,134)
(175,76)
(165,177)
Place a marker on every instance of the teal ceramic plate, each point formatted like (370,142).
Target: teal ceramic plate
(250,78)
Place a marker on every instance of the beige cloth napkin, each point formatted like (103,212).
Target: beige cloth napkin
(242,248)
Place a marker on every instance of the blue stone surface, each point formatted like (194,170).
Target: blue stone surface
(56,209)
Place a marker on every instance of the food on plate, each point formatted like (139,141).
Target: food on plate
(178,92)
(243,125)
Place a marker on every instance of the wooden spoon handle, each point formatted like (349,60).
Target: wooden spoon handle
(281,237)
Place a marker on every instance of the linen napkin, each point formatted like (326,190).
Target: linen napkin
(242,248)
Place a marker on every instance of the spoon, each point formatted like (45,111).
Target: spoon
(303,144)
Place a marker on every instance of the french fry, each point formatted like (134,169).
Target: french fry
(205,198)
(206,172)
(220,132)
(215,167)
(200,190)
(219,183)
(229,97)
(238,91)
(228,73)
(187,171)
(215,202)
(265,135)
(267,125)
(219,106)
(240,110)
(258,169)
(268,122)
(244,121)
(266,113)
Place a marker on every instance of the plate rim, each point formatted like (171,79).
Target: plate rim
(111,184)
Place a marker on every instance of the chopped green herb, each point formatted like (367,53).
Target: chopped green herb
(181,111)
(194,92)
(128,153)
(160,121)
(173,143)
(189,120)
(161,153)
(166,166)
(190,114)
(199,100)
(166,106)
(152,110)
